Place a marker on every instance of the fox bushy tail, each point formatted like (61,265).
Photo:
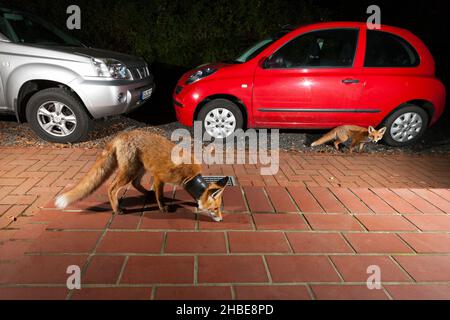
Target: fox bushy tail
(327,137)
(100,172)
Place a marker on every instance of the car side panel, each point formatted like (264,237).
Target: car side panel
(24,63)
(386,90)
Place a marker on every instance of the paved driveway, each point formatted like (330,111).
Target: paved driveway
(309,232)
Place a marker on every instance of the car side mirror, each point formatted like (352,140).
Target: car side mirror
(262,62)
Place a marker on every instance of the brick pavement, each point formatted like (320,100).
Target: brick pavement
(308,232)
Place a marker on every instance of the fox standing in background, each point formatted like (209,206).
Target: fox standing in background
(135,152)
(359,135)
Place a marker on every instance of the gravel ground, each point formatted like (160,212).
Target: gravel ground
(436,140)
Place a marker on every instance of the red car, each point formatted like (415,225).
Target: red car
(319,76)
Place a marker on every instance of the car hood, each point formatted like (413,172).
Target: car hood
(99,53)
(218,66)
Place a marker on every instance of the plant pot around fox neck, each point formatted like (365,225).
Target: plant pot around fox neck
(196,186)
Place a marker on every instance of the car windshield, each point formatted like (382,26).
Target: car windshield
(25,28)
(256,49)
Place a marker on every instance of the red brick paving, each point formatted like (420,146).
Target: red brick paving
(347,292)
(273,292)
(309,232)
(194,293)
(428,242)
(331,222)
(386,223)
(377,243)
(195,242)
(258,242)
(112,294)
(103,270)
(285,269)
(419,292)
(354,268)
(303,242)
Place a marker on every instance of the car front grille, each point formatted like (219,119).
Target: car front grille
(139,73)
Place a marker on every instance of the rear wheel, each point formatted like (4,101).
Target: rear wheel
(57,115)
(220,118)
(405,126)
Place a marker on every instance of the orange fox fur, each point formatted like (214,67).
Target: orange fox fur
(133,153)
(359,135)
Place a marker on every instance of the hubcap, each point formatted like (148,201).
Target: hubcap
(56,118)
(220,123)
(406,127)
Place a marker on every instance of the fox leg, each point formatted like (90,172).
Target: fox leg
(353,146)
(122,179)
(361,147)
(158,187)
(137,182)
(337,143)
(340,138)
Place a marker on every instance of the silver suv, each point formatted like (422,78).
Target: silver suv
(59,85)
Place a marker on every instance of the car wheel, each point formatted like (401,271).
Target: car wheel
(57,115)
(405,126)
(220,118)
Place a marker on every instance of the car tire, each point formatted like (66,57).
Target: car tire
(57,115)
(405,126)
(220,118)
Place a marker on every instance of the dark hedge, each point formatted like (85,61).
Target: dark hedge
(183,33)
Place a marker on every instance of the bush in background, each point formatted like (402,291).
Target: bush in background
(182,33)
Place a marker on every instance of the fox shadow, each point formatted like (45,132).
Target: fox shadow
(137,204)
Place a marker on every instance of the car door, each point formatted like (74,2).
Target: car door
(310,82)
(390,63)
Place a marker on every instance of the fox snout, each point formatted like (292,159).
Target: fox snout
(216,218)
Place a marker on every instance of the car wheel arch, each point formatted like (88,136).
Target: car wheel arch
(29,88)
(421,103)
(231,98)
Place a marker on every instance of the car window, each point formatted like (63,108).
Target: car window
(4,28)
(24,28)
(388,50)
(325,48)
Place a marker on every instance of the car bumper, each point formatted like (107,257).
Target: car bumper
(185,101)
(108,98)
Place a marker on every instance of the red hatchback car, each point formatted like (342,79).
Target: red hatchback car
(319,76)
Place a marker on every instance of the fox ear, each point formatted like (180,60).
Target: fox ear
(223,182)
(371,129)
(215,193)
(382,130)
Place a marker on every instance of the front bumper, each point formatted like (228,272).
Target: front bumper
(185,101)
(108,98)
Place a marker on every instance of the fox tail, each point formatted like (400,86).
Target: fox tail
(100,172)
(327,137)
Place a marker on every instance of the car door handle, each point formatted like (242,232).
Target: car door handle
(350,81)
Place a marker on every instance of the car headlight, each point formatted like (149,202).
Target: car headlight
(200,74)
(111,68)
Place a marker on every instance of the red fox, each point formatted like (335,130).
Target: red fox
(135,152)
(359,135)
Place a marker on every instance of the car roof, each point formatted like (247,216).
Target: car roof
(349,24)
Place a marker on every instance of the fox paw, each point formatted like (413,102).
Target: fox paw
(119,211)
(164,209)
